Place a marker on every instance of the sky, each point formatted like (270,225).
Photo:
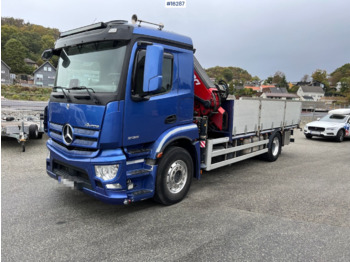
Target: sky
(295,37)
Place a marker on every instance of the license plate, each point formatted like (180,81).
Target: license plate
(66,182)
(315,133)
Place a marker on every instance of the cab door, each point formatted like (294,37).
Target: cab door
(148,115)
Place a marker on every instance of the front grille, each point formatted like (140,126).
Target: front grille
(314,128)
(77,175)
(84,139)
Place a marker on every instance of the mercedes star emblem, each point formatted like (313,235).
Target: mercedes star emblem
(67,134)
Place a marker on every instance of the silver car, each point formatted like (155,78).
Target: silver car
(333,125)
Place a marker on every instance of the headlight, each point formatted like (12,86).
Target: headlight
(106,172)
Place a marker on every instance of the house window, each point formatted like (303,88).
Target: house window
(49,68)
(2,71)
(45,68)
(39,76)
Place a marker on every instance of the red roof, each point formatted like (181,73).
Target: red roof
(267,86)
(255,88)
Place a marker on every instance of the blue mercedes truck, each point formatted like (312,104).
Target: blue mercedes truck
(134,116)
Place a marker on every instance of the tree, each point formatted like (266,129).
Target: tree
(30,40)
(255,78)
(305,78)
(47,42)
(294,89)
(280,79)
(14,54)
(339,73)
(34,39)
(228,75)
(345,85)
(321,76)
(268,81)
(7,31)
(238,75)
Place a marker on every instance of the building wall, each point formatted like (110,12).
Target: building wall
(5,74)
(45,75)
(315,96)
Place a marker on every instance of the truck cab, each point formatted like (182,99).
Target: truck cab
(123,94)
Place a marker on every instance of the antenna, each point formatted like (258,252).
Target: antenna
(134,20)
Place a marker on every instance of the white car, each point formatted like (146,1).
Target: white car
(334,125)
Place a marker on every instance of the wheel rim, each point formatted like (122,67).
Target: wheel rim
(341,136)
(177,176)
(275,146)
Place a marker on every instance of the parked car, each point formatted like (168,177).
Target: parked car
(336,124)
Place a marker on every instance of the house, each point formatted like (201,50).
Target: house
(307,98)
(30,62)
(276,90)
(45,75)
(278,93)
(283,96)
(5,74)
(266,87)
(316,92)
(255,88)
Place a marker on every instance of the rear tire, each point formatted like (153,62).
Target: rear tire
(33,131)
(340,136)
(174,176)
(274,147)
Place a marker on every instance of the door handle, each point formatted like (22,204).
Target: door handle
(170,119)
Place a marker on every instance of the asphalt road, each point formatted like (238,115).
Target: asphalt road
(22,105)
(295,209)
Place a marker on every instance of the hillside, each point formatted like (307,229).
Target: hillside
(20,40)
(230,74)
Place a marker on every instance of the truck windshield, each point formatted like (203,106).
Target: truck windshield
(94,65)
(334,118)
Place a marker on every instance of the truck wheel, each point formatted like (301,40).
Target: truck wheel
(340,136)
(33,131)
(174,176)
(308,136)
(274,148)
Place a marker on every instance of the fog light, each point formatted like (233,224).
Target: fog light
(106,172)
(114,186)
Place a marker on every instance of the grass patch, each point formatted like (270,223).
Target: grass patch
(17,92)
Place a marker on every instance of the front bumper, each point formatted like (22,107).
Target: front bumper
(80,173)
(325,133)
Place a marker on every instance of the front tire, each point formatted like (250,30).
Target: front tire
(174,176)
(308,136)
(340,136)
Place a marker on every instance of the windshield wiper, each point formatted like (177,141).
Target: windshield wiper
(97,102)
(64,93)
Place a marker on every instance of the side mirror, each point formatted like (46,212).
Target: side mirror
(47,54)
(152,77)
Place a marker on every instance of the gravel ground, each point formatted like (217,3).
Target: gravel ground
(294,209)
